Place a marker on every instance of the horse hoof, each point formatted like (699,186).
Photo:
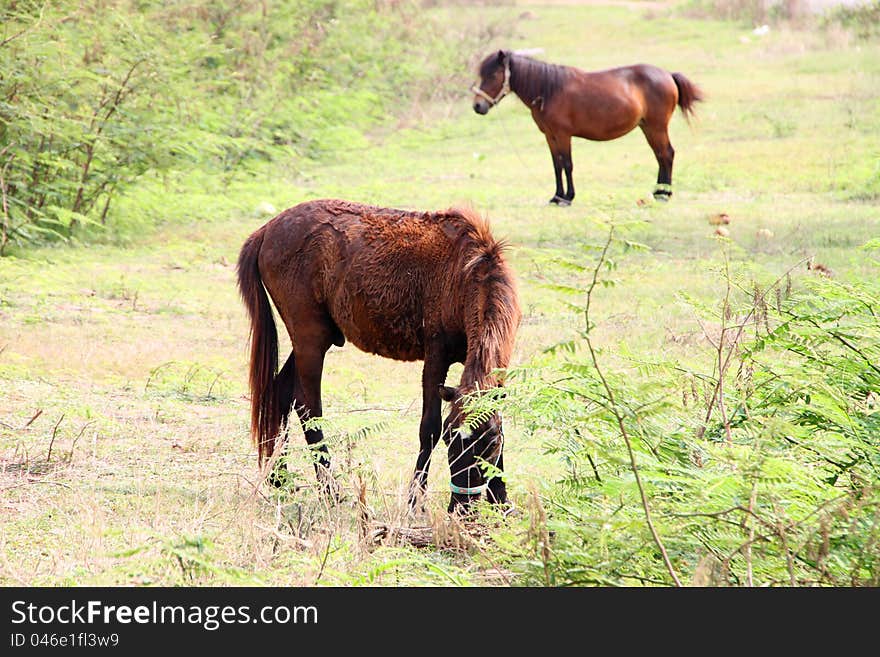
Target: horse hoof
(560,201)
(662,192)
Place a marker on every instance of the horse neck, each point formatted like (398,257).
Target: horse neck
(519,74)
(531,79)
(492,319)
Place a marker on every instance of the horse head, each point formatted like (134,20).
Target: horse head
(494,81)
(474,440)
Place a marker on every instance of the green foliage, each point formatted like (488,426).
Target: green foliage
(761,469)
(862,18)
(152,479)
(189,381)
(739,10)
(95,95)
(78,115)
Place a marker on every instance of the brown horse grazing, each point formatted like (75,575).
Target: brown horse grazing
(430,286)
(567,102)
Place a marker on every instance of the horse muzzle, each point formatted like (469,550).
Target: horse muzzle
(481,106)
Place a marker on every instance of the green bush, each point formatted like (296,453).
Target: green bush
(863,19)
(759,469)
(95,95)
(79,117)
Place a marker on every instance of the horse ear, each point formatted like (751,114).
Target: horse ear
(501,55)
(447,393)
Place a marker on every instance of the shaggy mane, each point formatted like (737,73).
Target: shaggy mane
(494,314)
(530,79)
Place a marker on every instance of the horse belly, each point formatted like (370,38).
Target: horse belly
(606,122)
(388,331)
(605,109)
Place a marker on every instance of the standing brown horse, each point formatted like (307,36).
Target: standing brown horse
(430,286)
(567,102)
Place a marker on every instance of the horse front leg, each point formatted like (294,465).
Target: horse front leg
(568,166)
(558,166)
(497,492)
(433,376)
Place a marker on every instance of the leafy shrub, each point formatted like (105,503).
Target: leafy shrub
(78,115)
(95,95)
(760,469)
(863,19)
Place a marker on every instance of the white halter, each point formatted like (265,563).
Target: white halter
(505,88)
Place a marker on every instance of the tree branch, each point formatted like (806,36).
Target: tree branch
(741,327)
(618,417)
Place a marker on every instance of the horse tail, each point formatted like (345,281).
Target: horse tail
(688,94)
(265,411)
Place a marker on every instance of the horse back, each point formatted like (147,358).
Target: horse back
(607,104)
(377,276)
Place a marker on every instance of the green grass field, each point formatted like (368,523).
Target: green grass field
(124,449)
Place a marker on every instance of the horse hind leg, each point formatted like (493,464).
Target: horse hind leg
(307,403)
(284,383)
(665,154)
